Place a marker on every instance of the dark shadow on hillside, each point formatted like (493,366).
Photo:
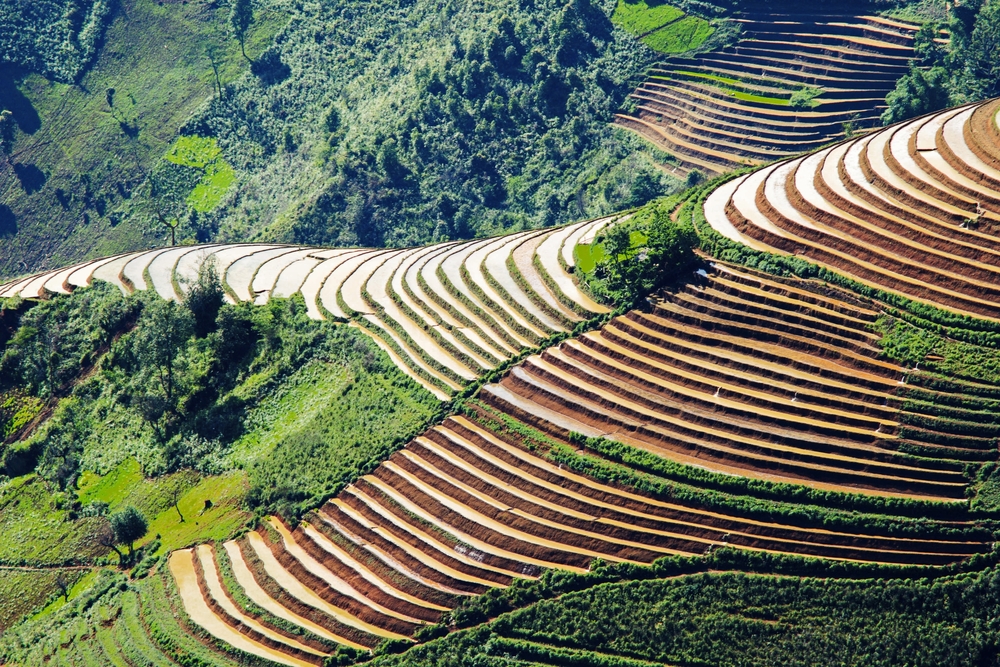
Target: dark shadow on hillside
(8,221)
(13,99)
(31,177)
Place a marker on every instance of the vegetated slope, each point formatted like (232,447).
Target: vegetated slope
(791,84)
(446,314)
(911,209)
(56,38)
(360,124)
(75,184)
(605,447)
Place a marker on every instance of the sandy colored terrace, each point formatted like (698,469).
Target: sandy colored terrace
(913,208)
(445,314)
(735,106)
(737,372)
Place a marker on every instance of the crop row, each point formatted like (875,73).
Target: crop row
(446,313)
(789,85)
(912,209)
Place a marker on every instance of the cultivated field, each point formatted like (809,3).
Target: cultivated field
(791,84)
(912,209)
(737,373)
(446,313)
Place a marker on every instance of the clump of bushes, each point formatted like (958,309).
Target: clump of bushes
(641,253)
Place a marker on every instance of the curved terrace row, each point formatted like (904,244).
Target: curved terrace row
(913,208)
(738,373)
(737,106)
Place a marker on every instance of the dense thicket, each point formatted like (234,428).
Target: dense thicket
(56,38)
(963,70)
(437,119)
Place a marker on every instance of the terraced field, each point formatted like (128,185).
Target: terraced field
(912,209)
(445,313)
(791,84)
(738,373)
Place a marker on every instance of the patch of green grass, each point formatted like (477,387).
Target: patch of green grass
(194,151)
(202,522)
(760,99)
(587,256)
(644,16)
(203,154)
(81,584)
(37,527)
(219,176)
(217,520)
(22,591)
(688,33)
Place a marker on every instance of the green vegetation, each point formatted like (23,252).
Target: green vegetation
(57,38)
(633,257)
(204,155)
(24,590)
(642,17)
(688,33)
(77,184)
(737,619)
(963,71)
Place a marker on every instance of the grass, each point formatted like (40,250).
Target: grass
(22,591)
(688,33)
(203,154)
(38,529)
(81,584)
(154,56)
(644,16)
(760,99)
(202,522)
(126,485)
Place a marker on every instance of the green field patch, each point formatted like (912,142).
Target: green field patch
(212,510)
(760,99)
(644,16)
(194,151)
(23,591)
(587,255)
(38,528)
(688,33)
(203,154)
(16,410)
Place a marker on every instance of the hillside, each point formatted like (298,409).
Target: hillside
(454,122)
(389,334)
(790,84)
(739,419)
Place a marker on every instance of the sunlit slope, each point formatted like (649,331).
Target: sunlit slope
(791,84)
(913,208)
(737,373)
(446,313)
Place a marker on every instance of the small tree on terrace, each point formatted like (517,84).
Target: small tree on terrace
(128,525)
(240,20)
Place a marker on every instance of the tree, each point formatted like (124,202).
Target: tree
(163,331)
(128,525)
(240,20)
(212,51)
(205,299)
(6,134)
(981,62)
(917,93)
